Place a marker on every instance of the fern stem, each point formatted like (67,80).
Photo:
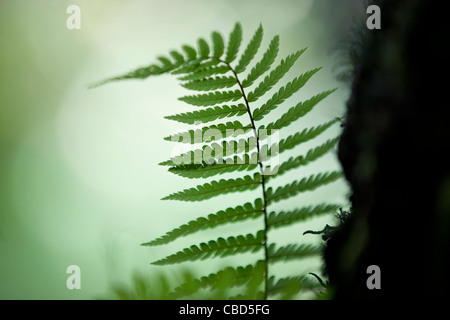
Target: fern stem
(263,184)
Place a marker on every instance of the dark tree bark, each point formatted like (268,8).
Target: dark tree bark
(395,154)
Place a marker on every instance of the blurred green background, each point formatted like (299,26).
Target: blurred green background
(79,180)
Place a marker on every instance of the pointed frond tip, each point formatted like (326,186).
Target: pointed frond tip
(230,215)
(154,69)
(217,248)
(140,73)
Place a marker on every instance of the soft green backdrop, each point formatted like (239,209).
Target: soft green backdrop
(79,180)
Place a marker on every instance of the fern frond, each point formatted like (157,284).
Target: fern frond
(234,43)
(274,76)
(218,44)
(311,155)
(210,133)
(218,248)
(206,170)
(262,66)
(140,73)
(301,137)
(282,94)
(211,83)
(291,284)
(286,218)
(210,153)
(212,98)
(209,114)
(203,48)
(215,188)
(300,110)
(201,72)
(232,146)
(292,252)
(306,184)
(230,215)
(226,278)
(250,51)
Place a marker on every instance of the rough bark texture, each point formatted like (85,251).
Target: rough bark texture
(395,154)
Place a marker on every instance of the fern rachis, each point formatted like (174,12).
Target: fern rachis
(222,93)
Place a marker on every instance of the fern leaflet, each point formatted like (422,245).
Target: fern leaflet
(218,248)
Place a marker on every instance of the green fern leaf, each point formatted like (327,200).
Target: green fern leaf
(140,73)
(203,48)
(218,248)
(206,170)
(234,43)
(283,94)
(230,215)
(166,63)
(262,66)
(200,72)
(306,184)
(301,137)
(292,252)
(178,57)
(235,146)
(292,284)
(211,83)
(226,278)
(210,133)
(191,54)
(213,152)
(209,114)
(212,98)
(189,66)
(218,44)
(250,51)
(215,188)
(274,76)
(311,155)
(196,65)
(281,219)
(300,110)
